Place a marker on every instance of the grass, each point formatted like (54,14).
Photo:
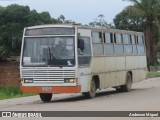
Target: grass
(153,74)
(7,92)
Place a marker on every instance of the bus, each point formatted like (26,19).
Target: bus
(68,58)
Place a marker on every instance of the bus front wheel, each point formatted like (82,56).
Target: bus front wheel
(92,92)
(45,97)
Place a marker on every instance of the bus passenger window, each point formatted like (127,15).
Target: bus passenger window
(109,47)
(127,43)
(118,38)
(96,37)
(140,40)
(126,39)
(134,39)
(118,44)
(97,43)
(107,37)
(140,45)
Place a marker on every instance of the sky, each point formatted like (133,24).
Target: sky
(80,11)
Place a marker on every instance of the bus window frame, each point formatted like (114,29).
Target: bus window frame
(94,43)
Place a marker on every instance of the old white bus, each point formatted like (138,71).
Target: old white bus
(80,59)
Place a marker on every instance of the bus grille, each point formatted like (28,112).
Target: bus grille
(54,76)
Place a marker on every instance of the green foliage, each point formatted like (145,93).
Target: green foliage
(153,74)
(7,92)
(13,19)
(3,53)
(100,22)
(129,19)
(143,15)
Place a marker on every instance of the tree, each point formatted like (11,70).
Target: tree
(100,22)
(33,18)
(45,18)
(13,19)
(149,10)
(129,20)
(61,18)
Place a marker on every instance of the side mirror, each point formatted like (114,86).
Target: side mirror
(81,44)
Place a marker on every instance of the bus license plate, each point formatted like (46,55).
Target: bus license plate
(46,88)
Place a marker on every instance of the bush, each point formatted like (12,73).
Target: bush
(11,92)
(153,74)
(3,53)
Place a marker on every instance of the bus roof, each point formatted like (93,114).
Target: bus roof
(82,27)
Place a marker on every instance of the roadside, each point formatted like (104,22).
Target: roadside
(14,92)
(153,74)
(148,83)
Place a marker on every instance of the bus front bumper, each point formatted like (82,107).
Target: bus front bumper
(50,89)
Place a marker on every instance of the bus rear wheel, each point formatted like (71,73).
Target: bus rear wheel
(128,85)
(45,97)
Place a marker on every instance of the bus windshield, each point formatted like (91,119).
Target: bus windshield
(49,51)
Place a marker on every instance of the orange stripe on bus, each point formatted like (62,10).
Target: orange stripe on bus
(52,89)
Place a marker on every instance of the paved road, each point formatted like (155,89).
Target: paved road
(145,96)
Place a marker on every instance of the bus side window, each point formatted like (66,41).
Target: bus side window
(96,37)
(140,45)
(118,43)
(108,45)
(97,43)
(85,57)
(134,42)
(127,43)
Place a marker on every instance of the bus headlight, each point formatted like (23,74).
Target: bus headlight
(28,80)
(71,80)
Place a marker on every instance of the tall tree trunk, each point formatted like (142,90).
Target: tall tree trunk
(158,26)
(149,46)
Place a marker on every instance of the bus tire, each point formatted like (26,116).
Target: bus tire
(45,97)
(92,92)
(128,85)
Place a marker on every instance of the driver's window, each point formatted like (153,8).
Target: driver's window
(84,56)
